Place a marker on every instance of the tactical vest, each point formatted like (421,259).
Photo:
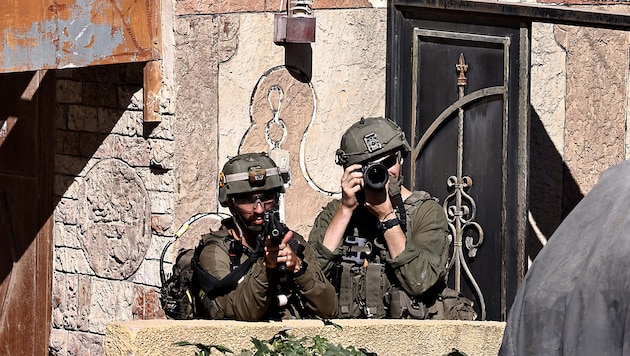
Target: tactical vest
(363,279)
(181,292)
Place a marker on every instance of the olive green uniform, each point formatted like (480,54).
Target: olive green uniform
(421,266)
(255,297)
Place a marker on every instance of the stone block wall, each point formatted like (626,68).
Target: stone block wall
(114,193)
(124,186)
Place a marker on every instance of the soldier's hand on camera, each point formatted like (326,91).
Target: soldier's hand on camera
(378,203)
(351,183)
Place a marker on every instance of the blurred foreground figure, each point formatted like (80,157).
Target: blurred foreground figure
(575,297)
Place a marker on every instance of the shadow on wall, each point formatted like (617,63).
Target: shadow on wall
(89,103)
(553,192)
(24,155)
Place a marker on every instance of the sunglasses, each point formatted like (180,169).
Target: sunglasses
(388,161)
(268,200)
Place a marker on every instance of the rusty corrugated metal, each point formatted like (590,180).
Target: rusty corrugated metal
(52,34)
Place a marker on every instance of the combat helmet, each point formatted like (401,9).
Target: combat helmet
(249,172)
(370,137)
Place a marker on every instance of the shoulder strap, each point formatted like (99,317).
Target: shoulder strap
(413,202)
(212,286)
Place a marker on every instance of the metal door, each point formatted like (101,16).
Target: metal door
(458,86)
(26,158)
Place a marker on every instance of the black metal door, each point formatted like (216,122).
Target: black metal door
(458,85)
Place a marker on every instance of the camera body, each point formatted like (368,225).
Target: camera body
(375,175)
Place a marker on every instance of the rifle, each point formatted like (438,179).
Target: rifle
(276,230)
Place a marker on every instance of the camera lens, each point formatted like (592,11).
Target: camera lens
(375,175)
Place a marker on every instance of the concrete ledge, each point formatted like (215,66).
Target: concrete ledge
(385,336)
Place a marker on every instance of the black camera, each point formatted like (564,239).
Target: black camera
(375,175)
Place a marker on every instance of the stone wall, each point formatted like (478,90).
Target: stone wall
(123,187)
(579,117)
(112,183)
(383,337)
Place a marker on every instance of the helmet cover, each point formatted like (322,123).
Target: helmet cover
(248,173)
(368,138)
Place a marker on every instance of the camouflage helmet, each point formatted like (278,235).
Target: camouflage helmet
(247,173)
(370,137)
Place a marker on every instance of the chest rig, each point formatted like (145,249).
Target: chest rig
(365,283)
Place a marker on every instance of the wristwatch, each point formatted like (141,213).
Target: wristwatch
(388,224)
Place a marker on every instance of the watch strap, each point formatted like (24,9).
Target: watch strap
(388,224)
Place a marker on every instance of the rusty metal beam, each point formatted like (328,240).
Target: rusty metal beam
(55,34)
(526,12)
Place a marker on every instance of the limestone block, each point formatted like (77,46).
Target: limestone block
(100,94)
(67,142)
(69,165)
(66,211)
(65,235)
(148,273)
(109,301)
(61,117)
(65,300)
(130,97)
(128,123)
(161,224)
(58,342)
(163,130)
(62,186)
(80,343)
(196,122)
(131,150)
(385,336)
(597,62)
(71,260)
(161,154)
(82,118)
(157,180)
(147,303)
(161,202)
(69,91)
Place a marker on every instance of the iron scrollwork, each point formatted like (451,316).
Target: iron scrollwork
(460,207)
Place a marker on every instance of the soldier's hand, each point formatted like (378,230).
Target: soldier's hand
(378,203)
(287,255)
(351,184)
(282,253)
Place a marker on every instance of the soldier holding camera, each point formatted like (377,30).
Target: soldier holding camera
(384,247)
(254,267)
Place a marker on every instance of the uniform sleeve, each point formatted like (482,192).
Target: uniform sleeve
(423,262)
(318,294)
(250,300)
(325,258)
